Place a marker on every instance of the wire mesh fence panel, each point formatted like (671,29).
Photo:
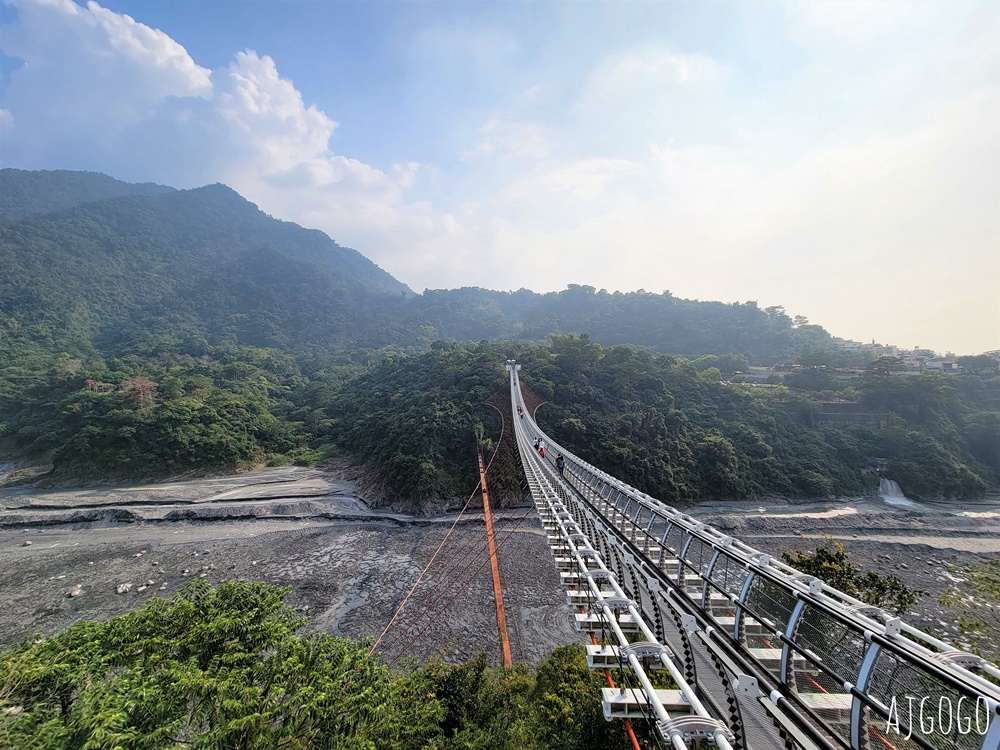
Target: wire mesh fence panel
(770,606)
(676,540)
(920,704)
(699,555)
(729,575)
(827,639)
(841,650)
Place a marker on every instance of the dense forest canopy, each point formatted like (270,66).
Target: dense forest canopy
(147,332)
(231,667)
(24,194)
(95,268)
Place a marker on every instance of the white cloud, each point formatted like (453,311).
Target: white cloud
(860,22)
(648,72)
(139,45)
(659,176)
(101,91)
(89,75)
(576,184)
(267,111)
(507,138)
(898,230)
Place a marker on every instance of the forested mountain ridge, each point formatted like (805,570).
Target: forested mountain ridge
(201,262)
(26,193)
(167,332)
(659,424)
(92,256)
(660,322)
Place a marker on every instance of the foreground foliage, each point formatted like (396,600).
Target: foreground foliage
(225,668)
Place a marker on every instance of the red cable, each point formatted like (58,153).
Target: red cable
(479,544)
(426,568)
(434,556)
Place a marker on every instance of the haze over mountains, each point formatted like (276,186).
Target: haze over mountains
(108,259)
(155,332)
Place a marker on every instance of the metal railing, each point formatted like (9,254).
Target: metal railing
(835,671)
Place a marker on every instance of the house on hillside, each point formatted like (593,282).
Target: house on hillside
(947,365)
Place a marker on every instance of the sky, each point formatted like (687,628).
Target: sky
(839,158)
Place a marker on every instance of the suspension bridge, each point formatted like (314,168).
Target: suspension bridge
(713,643)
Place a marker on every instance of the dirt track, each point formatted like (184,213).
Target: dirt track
(349,565)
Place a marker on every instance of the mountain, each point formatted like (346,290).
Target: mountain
(659,322)
(24,193)
(148,332)
(201,262)
(98,262)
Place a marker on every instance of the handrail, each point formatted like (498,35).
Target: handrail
(862,652)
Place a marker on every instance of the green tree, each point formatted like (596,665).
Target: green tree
(211,668)
(830,563)
(982,433)
(886,366)
(980,364)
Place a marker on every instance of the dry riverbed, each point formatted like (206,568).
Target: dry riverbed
(67,555)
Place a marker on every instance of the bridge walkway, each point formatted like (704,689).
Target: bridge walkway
(762,655)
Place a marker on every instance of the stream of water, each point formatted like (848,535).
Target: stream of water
(892,494)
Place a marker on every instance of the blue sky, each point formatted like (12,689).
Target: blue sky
(837,157)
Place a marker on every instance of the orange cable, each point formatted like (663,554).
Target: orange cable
(494,565)
(875,733)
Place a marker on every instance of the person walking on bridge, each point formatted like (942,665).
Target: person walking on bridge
(560,463)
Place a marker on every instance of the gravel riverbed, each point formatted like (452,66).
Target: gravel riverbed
(67,555)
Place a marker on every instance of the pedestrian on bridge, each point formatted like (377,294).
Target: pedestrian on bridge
(560,463)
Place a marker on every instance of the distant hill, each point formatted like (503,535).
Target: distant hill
(660,322)
(202,262)
(148,332)
(24,193)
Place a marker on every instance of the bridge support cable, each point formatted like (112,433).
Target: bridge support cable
(413,588)
(495,568)
(453,565)
(468,579)
(838,671)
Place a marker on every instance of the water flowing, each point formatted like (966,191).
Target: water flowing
(889,491)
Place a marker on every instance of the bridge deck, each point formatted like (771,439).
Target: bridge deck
(619,549)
